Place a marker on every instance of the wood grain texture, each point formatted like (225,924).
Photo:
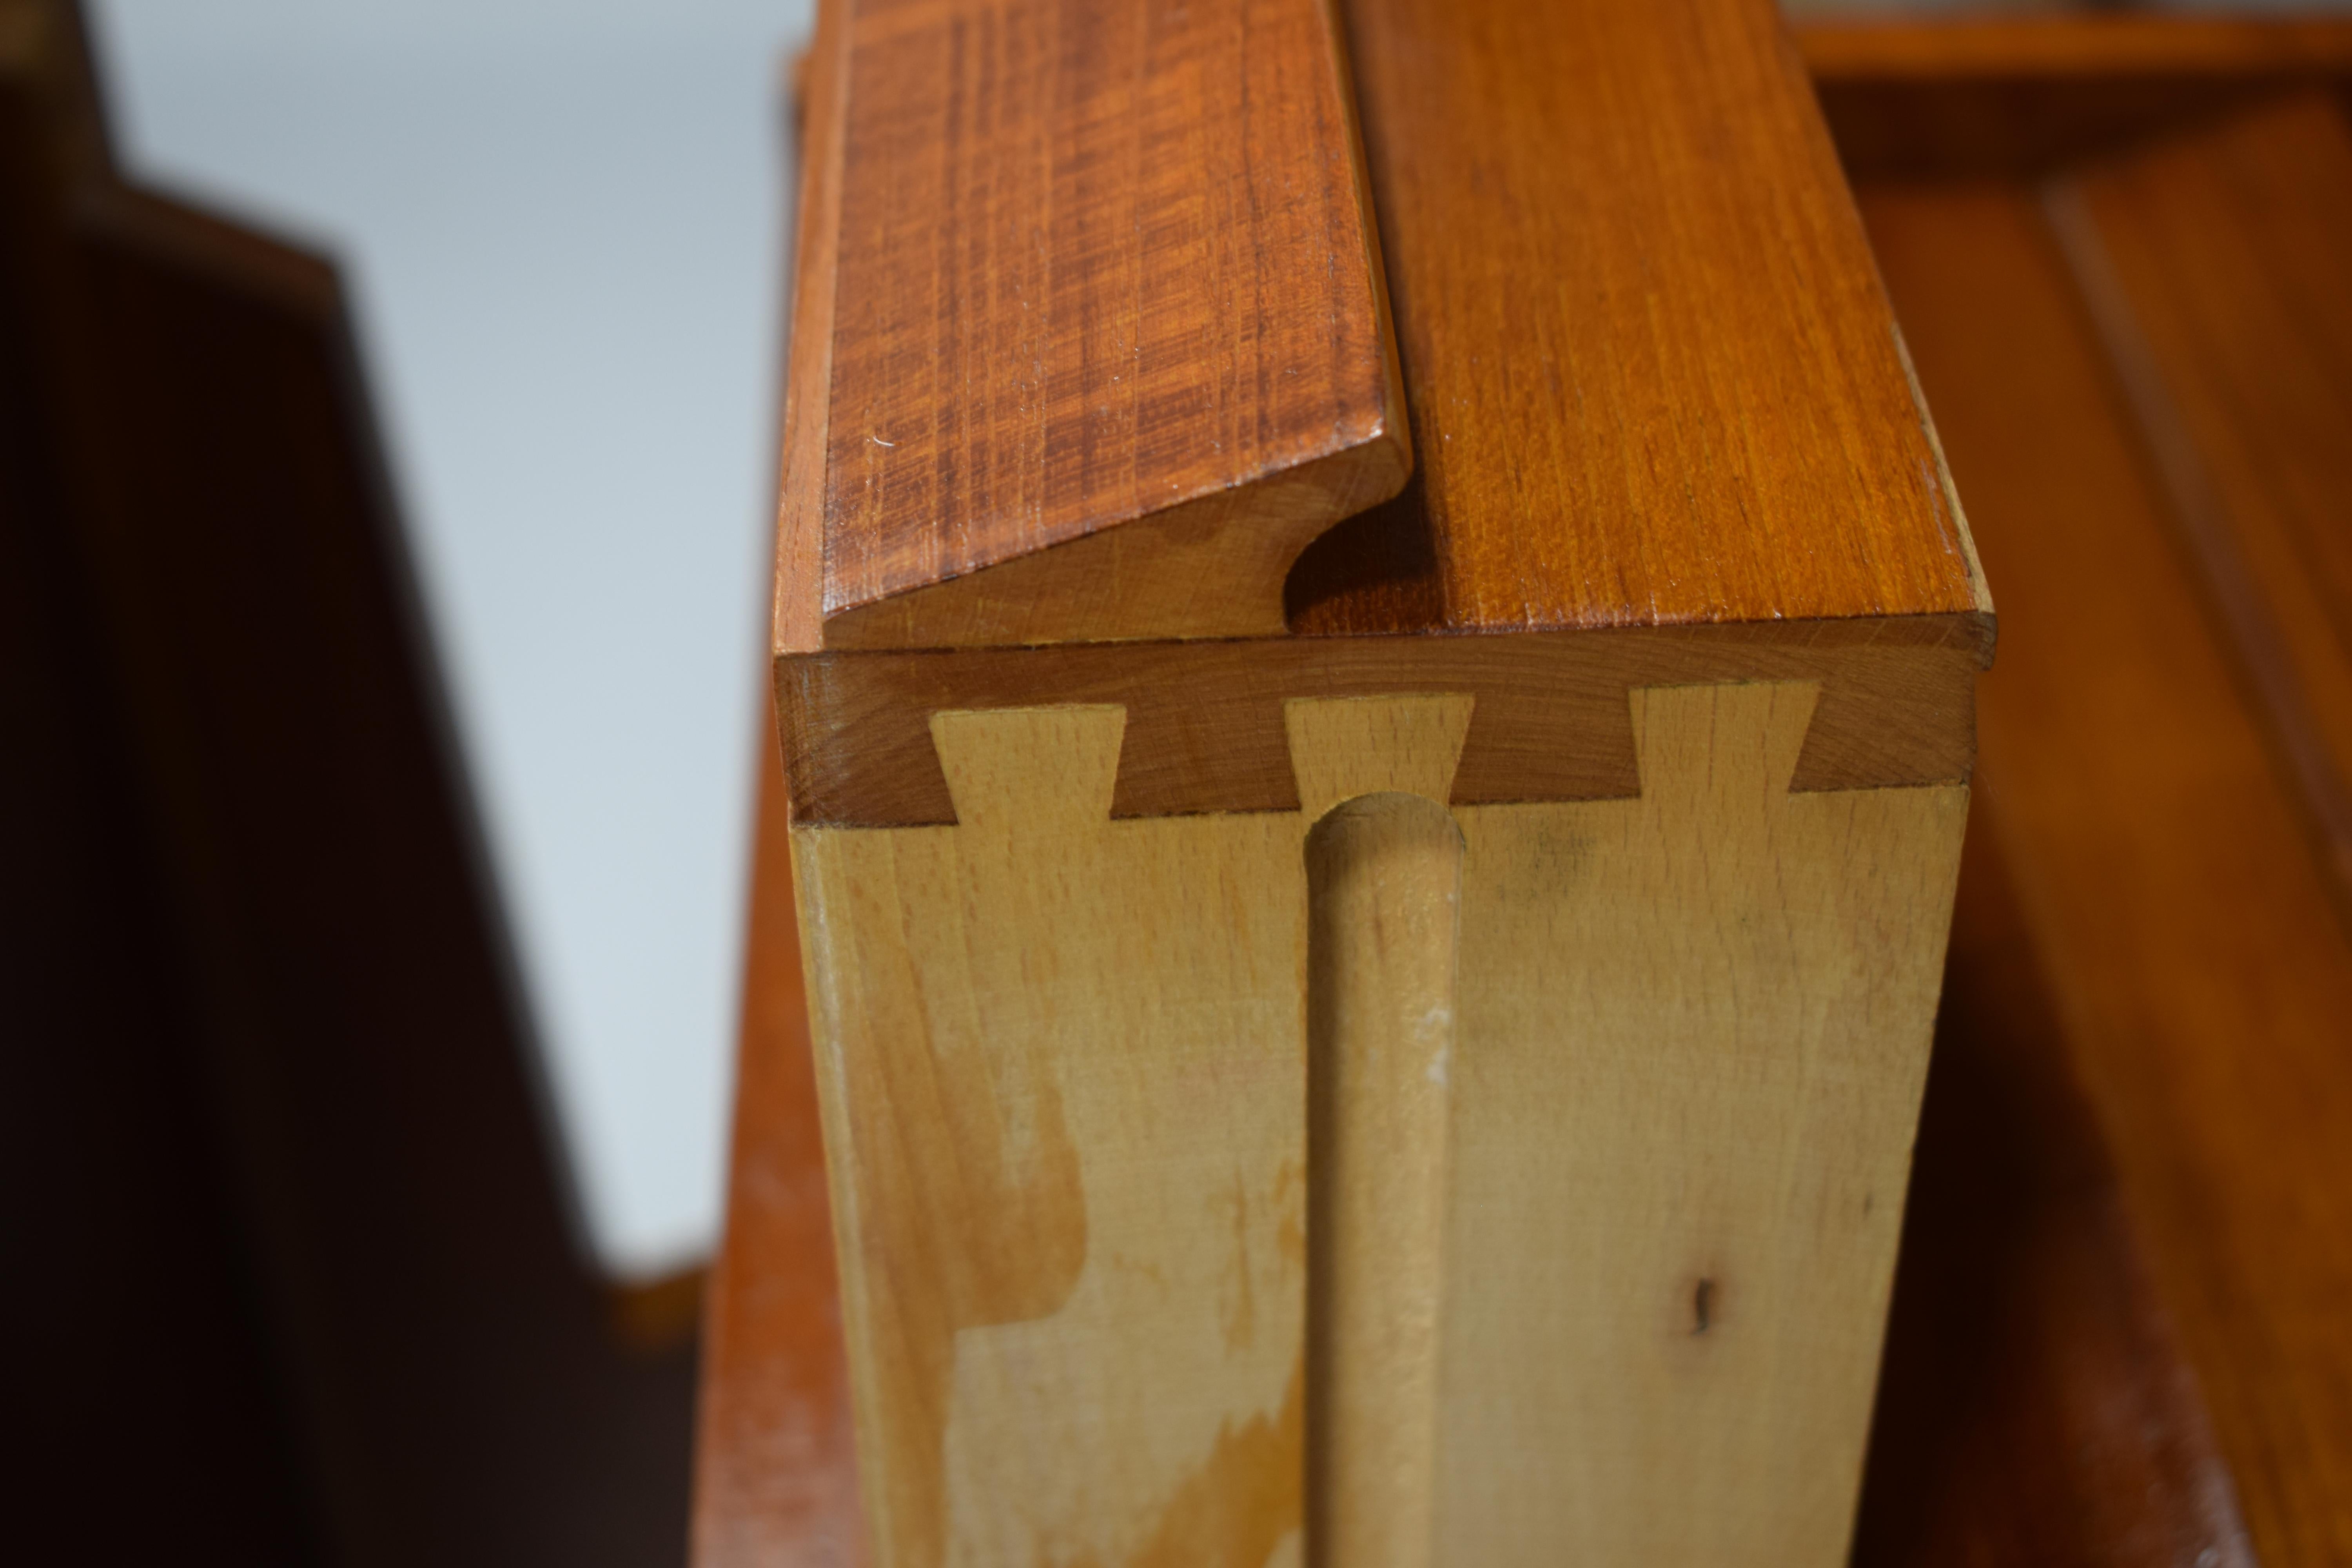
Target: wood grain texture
(2034,1406)
(2215,265)
(1703,760)
(2021,96)
(1065,1115)
(1651,373)
(2191,937)
(1066,1074)
(1694,1029)
(1205,728)
(1091,337)
(1384,919)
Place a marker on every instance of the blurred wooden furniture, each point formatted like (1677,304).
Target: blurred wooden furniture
(293,1278)
(1406,1057)
(2121,251)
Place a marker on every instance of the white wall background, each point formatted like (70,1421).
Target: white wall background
(559,220)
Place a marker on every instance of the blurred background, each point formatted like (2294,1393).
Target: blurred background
(560,224)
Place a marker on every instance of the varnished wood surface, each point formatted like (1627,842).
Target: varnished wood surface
(1725,619)
(1204,726)
(2076,47)
(2164,858)
(1091,337)
(2021,96)
(1646,412)
(1652,377)
(2035,1408)
(2216,264)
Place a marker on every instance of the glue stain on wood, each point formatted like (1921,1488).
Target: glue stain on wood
(1094,1029)
(1677,1042)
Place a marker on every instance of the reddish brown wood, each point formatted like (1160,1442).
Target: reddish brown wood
(1660,389)
(1996,96)
(2034,1408)
(1091,338)
(1652,377)
(1204,720)
(2073,48)
(2169,942)
(2215,265)
(2191,938)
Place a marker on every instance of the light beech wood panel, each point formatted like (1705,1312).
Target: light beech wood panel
(1384,896)
(1065,1057)
(1693,1033)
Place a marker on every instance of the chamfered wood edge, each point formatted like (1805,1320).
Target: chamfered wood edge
(1264,521)
(1213,566)
(797,601)
(1204,729)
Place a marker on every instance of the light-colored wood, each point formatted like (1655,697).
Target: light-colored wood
(1064,1093)
(1064,1062)
(1384,897)
(1692,1035)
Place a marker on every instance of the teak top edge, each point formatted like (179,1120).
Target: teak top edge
(1204,726)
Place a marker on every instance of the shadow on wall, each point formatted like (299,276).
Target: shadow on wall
(299,1285)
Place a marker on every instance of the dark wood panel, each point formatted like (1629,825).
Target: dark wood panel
(1960,95)
(2034,1409)
(131,1340)
(2218,267)
(354,1047)
(2190,935)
